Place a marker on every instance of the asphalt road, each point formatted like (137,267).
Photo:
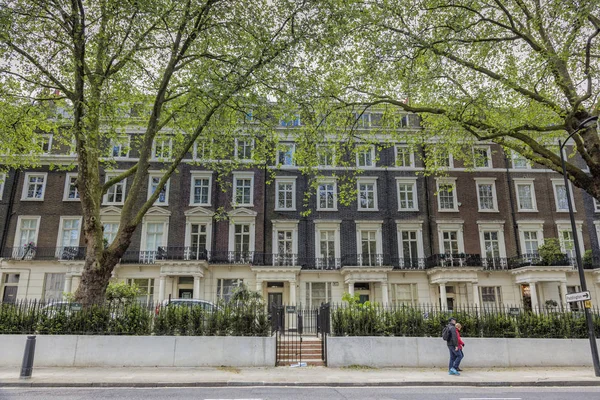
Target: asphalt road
(304,393)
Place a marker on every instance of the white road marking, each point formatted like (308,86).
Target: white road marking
(232,399)
(490,398)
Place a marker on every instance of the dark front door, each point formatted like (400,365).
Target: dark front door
(186,293)
(363,298)
(275,299)
(10,294)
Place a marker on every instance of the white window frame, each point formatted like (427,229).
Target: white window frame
(515,155)
(561,182)
(162,140)
(451,182)
(414,294)
(124,143)
(530,226)
(206,148)
(363,149)
(370,226)
(596,202)
(565,225)
(335,195)
(411,156)
(331,151)
(407,226)
(110,215)
(328,292)
(157,202)
(492,226)
(451,227)
(242,220)
(407,181)
(237,151)
(450,162)
(285,226)
(367,181)
(497,297)
(243,175)
(154,216)
(198,216)
(291,147)
(487,181)
(530,182)
(26,186)
(285,180)
(201,175)
(2,181)
(123,183)
(488,152)
(20,219)
(59,244)
(328,225)
(220,292)
(49,137)
(68,178)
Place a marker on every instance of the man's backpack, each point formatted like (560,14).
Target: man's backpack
(446,333)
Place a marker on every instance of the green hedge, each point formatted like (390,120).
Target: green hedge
(135,319)
(373,320)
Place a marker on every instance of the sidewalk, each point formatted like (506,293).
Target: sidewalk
(303,376)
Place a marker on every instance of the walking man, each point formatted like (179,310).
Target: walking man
(452,343)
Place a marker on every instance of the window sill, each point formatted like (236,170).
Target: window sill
(407,209)
(489,211)
(27,199)
(447,210)
(200,205)
(368,209)
(284,209)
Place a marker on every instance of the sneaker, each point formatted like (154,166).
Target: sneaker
(459,370)
(453,372)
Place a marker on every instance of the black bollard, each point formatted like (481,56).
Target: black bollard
(27,366)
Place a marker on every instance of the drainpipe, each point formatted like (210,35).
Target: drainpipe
(512,205)
(11,201)
(265,199)
(427,206)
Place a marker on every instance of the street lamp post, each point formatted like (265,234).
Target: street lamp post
(588,316)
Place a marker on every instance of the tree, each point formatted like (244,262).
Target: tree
(520,73)
(189,68)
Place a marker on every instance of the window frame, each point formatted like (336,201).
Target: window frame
(515,155)
(487,181)
(488,157)
(285,180)
(447,182)
(67,190)
(291,147)
(369,226)
(363,148)
(530,226)
(497,227)
(333,182)
(522,182)
(330,152)
(407,226)
(497,297)
(366,181)
(123,183)
(451,227)
(20,219)
(411,156)
(243,176)
(561,182)
(285,226)
(157,202)
(328,225)
(200,175)
(162,140)
(405,181)
(61,227)
(48,138)
(26,186)
(124,143)
(237,148)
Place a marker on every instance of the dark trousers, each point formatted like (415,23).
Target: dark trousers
(454,357)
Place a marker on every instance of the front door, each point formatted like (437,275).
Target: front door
(275,299)
(186,293)
(363,298)
(526,294)
(10,294)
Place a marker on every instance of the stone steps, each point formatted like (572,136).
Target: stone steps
(292,351)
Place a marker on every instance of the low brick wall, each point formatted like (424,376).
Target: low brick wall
(376,351)
(141,351)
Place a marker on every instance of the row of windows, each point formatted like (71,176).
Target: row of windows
(366,155)
(285,238)
(285,197)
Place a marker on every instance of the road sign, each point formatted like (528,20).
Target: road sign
(579,296)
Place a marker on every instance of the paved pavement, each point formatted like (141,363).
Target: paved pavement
(296,376)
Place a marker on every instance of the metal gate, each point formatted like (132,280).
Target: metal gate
(300,332)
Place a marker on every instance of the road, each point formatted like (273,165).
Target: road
(305,393)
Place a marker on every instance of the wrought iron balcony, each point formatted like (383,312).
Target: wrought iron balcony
(534,259)
(454,260)
(44,253)
(276,259)
(322,263)
(365,260)
(409,263)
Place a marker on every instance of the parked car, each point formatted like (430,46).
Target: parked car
(206,305)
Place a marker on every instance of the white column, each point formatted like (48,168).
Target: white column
(384,294)
(443,297)
(476,296)
(293,292)
(563,295)
(534,298)
(259,286)
(161,288)
(351,288)
(68,283)
(196,293)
